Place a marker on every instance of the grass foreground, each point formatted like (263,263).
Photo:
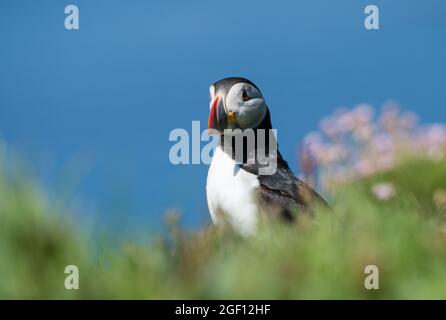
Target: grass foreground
(322,257)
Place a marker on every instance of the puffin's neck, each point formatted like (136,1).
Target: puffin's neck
(264,142)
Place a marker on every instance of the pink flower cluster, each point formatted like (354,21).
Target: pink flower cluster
(354,143)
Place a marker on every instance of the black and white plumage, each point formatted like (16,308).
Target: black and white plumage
(237,190)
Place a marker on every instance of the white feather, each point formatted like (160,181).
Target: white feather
(232,191)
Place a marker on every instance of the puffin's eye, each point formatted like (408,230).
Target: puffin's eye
(245,96)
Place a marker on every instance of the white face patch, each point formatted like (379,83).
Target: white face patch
(249,113)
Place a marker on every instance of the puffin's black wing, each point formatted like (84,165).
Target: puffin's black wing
(282,192)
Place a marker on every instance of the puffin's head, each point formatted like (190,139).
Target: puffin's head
(236,103)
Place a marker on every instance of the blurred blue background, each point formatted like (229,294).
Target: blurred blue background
(91,110)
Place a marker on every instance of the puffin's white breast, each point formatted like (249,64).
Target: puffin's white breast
(231,191)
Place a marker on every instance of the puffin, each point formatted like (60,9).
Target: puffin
(248,179)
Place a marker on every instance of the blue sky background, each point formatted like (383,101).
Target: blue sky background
(91,110)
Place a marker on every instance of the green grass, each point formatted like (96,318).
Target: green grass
(323,257)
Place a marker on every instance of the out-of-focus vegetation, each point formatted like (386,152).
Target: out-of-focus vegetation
(393,218)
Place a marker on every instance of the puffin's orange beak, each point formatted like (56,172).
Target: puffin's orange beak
(212,124)
(219,119)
